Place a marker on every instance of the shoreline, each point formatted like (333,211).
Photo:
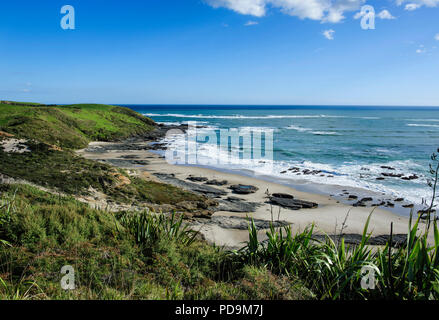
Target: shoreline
(335,191)
(331,217)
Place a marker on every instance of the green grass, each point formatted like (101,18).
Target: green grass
(143,255)
(72,126)
(61,170)
(66,172)
(334,270)
(46,232)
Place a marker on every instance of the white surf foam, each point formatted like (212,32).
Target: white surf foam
(423,125)
(353,175)
(237,116)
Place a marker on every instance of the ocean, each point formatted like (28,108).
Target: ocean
(348,145)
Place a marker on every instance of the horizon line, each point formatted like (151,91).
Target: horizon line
(241,104)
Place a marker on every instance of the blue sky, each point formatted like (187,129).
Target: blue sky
(221,52)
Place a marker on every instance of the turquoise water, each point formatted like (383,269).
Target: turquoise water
(349,144)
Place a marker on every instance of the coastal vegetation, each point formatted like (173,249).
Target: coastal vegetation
(333,270)
(71,126)
(47,136)
(141,255)
(147,254)
(121,255)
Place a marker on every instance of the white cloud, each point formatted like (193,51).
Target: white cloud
(329,34)
(359,15)
(421,49)
(385,15)
(251,7)
(320,10)
(338,7)
(436,37)
(415,4)
(251,23)
(412,6)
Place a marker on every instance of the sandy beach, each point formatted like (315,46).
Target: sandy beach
(330,217)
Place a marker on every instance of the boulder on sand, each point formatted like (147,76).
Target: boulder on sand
(243,189)
(234,204)
(197,179)
(282,195)
(215,182)
(288,201)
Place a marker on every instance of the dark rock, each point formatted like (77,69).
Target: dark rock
(408,206)
(282,195)
(352,197)
(240,223)
(197,179)
(234,204)
(232,198)
(140,162)
(398,240)
(190,186)
(217,182)
(157,146)
(390,204)
(243,189)
(380,178)
(412,177)
(399,200)
(130,156)
(388,168)
(291,203)
(367,199)
(393,175)
(359,204)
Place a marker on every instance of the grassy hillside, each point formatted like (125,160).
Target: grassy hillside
(112,261)
(72,126)
(61,170)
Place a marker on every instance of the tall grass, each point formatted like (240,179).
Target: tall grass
(23,289)
(147,228)
(7,207)
(334,271)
